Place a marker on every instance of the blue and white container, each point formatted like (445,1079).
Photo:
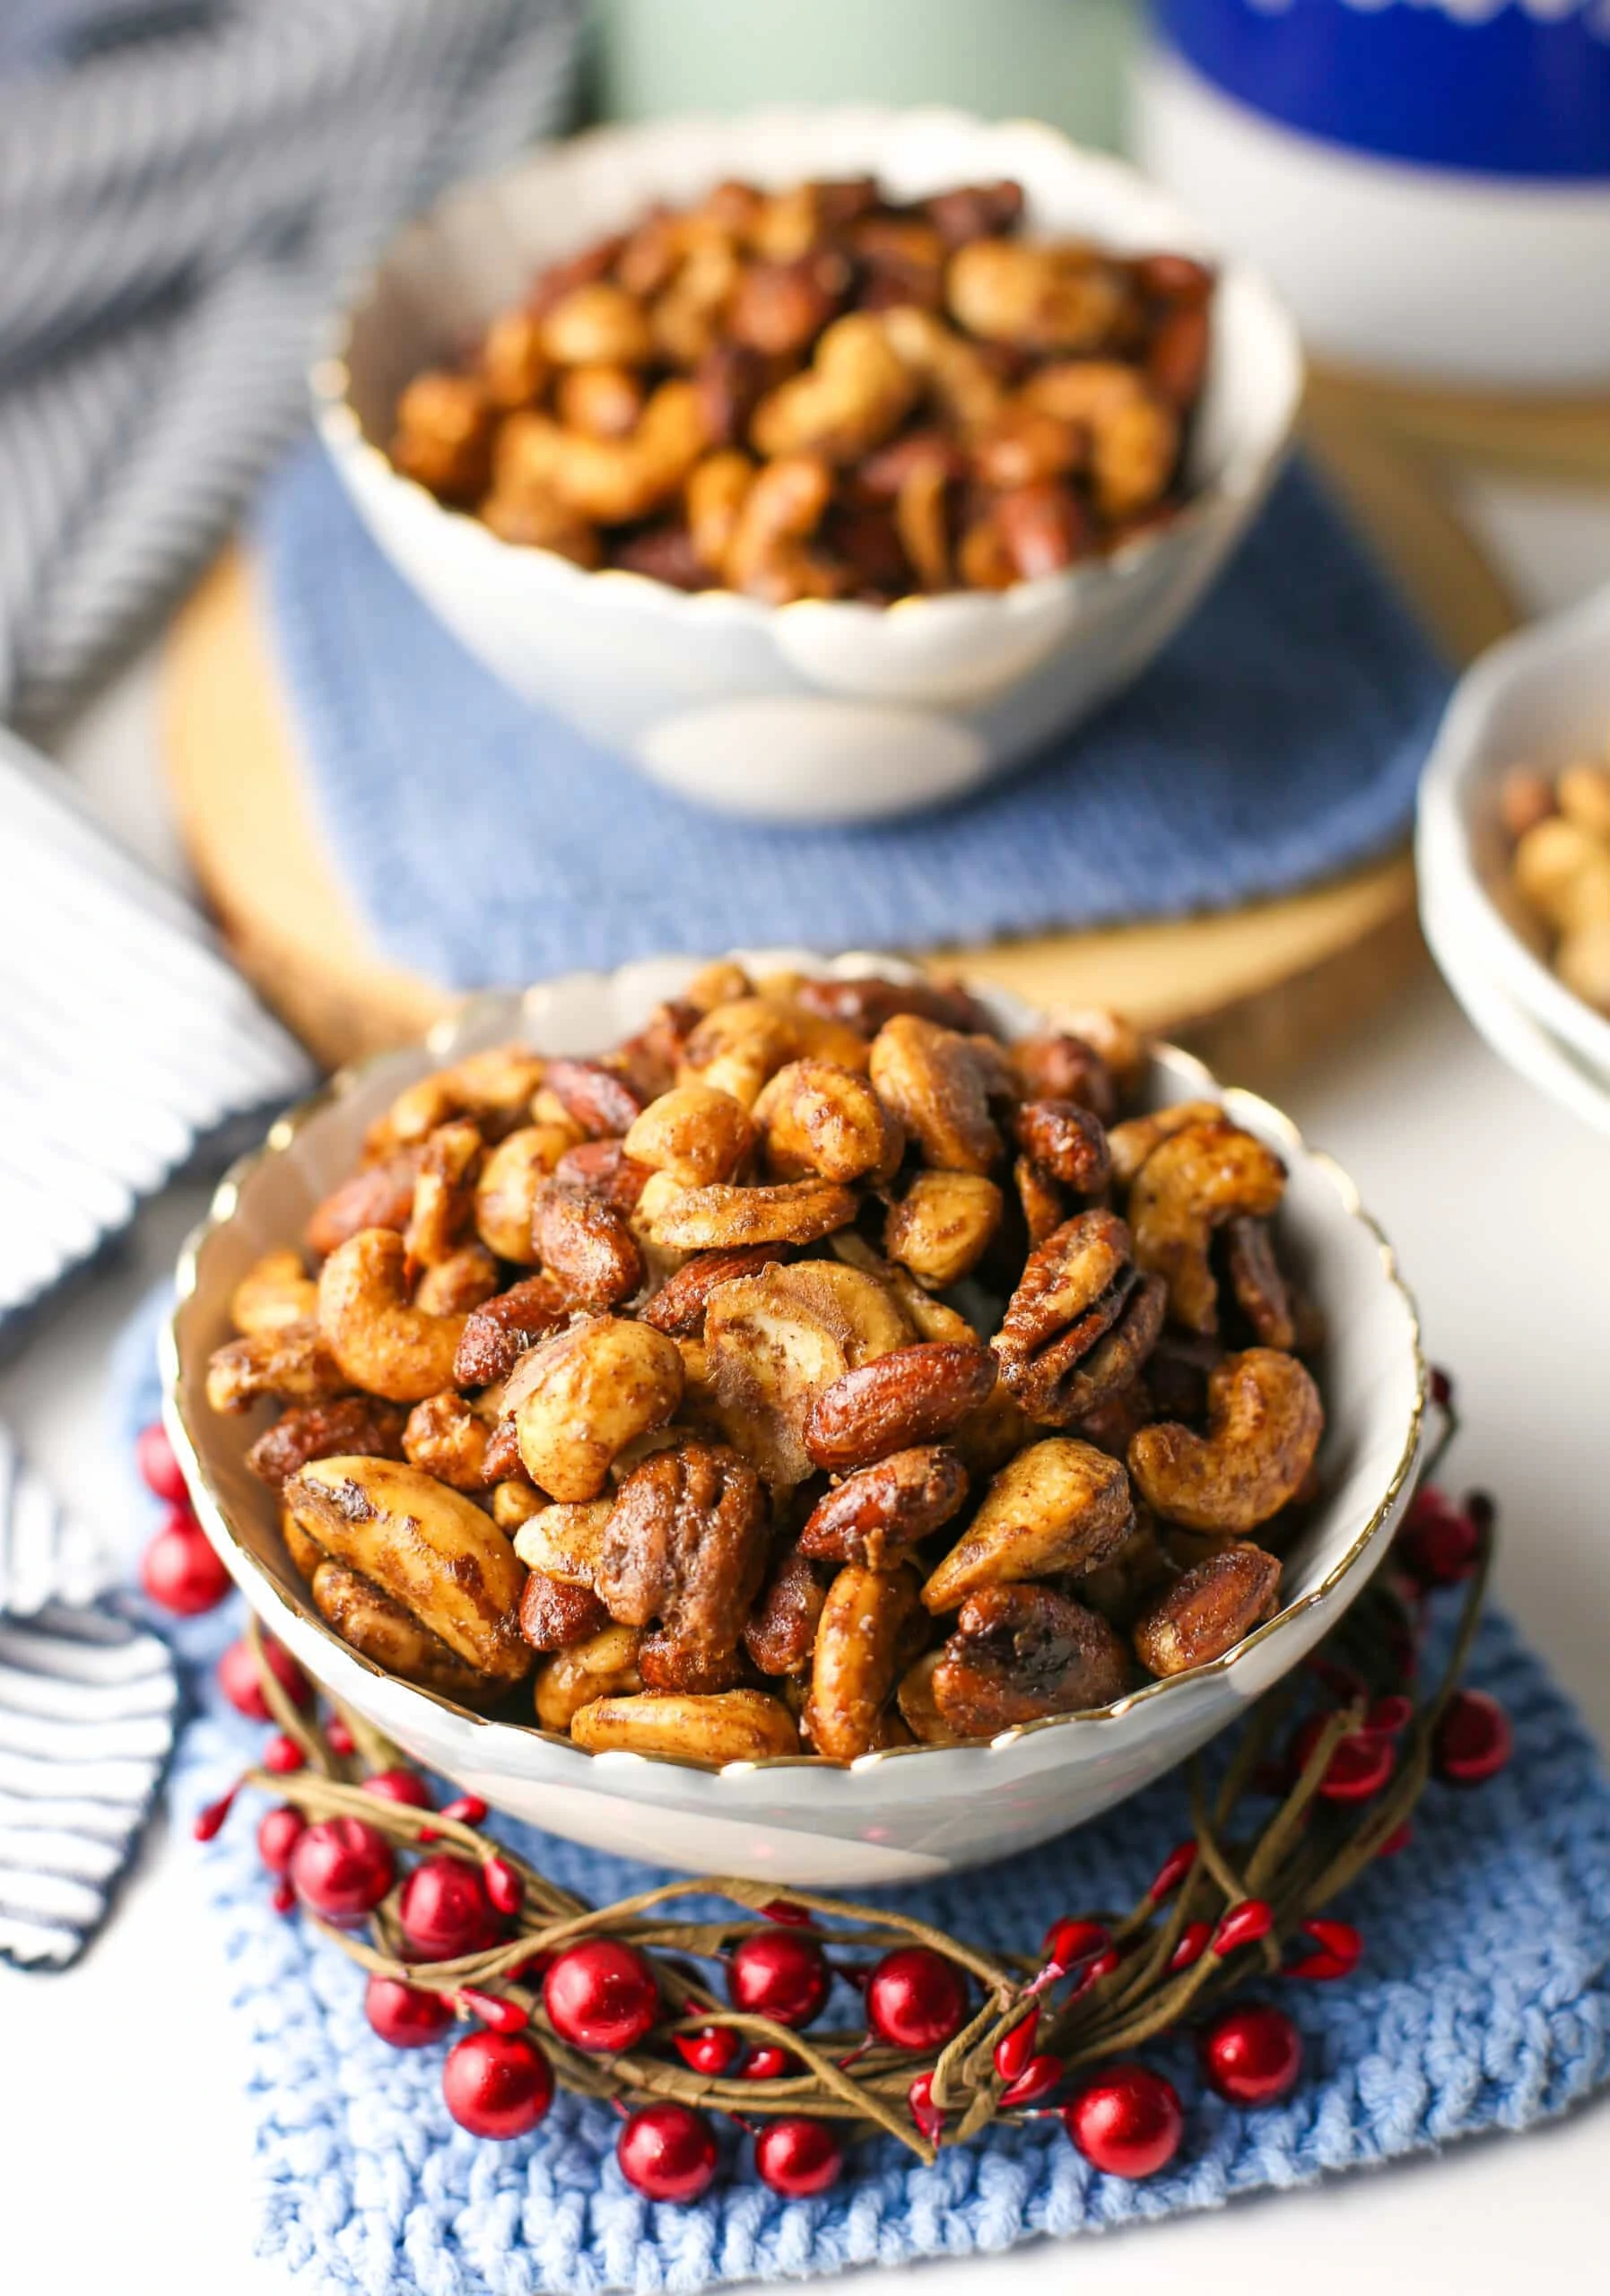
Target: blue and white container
(1428,181)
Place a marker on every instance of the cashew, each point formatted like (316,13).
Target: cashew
(720,1217)
(596,325)
(942,1225)
(1264,1419)
(491,1087)
(442,1559)
(766,555)
(737,1047)
(718,1727)
(506,1192)
(513,1504)
(1134,432)
(291,1363)
(1129,1145)
(443,435)
(1583,795)
(1564,871)
(443,1201)
(604,1665)
(513,365)
(605,401)
(714,494)
(856,391)
(565,1542)
(915,1699)
(722,981)
(1059,1508)
(275,1291)
(695,1131)
(380,1340)
(955,371)
(935,1081)
(613,480)
(466,1278)
(1186,1187)
(922,521)
(1582,961)
(1034,297)
(820,1119)
(776,1339)
(857,1659)
(1020,1653)
(1207,1611)
(594,1388)
(383,1631)
(445,1438)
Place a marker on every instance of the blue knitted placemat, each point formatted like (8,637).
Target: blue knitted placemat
(1482,2002)
(1277,740)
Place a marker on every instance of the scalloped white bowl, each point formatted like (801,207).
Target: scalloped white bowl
(815,711)
(890,1817)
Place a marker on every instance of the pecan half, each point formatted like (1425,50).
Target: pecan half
(1116,1360)
(1067,1141)
(686,1544)
(498,1333)
(293,1364)
(876,1517)
(1074,1287)
(678,1306)
(1044,1204)
(1257,1282)
(586,1245)
(914,1395)
(1064,1067)
(1020,1653)
(353,1427)
(1208,1611)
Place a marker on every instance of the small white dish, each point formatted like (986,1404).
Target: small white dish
(1521,1042)
(815,711)
(905,1815)
(1540,699)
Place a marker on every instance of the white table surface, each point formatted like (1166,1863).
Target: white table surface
(125,2135)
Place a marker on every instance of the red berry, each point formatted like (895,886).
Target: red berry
(713,2050)
(278,1832)
(769,2063)
(1243,1925)
(496,2084)
(404,1786)
(503,1885)
(1192,1945)
(1438,1542)
(341,1868)
(924,2111)
(180,1570)
(1252,2053)
(340,1738)
(1389,1716)
(916,1998)
(784,1909)
(1398,1839)
(668,2152)
(798,2158)
(1473,1741)
(1038,2078)
(445,1911)
(781,1975)
(503,2015)
(1128,2123)
(601,1997)
(406,2015)
(210,1822)
(1067,1943)
(1441,1385)
(1173,1870)
(1016,2046)
(1358,1767)
(242,1685)
(1338,1950)
(282,1897)
(469,1810)
(283,1756)
(160,1471)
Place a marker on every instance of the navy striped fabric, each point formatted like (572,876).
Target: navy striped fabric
(184,192)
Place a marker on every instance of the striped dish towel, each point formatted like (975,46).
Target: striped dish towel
(184,191)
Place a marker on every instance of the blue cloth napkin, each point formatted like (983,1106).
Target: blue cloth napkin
(1277,740)
(1482,2002)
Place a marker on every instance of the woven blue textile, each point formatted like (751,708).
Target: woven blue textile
(1277,740)
(1482,2002)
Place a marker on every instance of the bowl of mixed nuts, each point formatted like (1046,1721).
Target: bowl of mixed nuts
(789,1419)
(823,463)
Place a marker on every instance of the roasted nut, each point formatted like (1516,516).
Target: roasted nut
(819,1120)
(686,1544)
(1259,1285)
(1067,1067)
(937,1083)
(601,1168)
(1074,1287)
(1059,1508)
(445,1438)
(1020,1653)
(721,1727)
(554,1613)
(1208,1611)
(875,1517)
(354,1425)
(603,1665)
(915,1699)
(695,1131)
(597,323)
(1108,1369)
(1582,961)
(467,1278)
(942,1225)
(858,1659)
(1189,1187)
(910,1395)
(443,435)
(291,1363)
(1023,445)
(1133,430)
(586,1246)
(722,981)
(382,1630)
(605,401)
(443,1199)
(961,379)
(1129,1145)
(678,1306)
(536,519)
(1264,1419)
(1583,795)
(780,1633)
(496,1335)
(722,1218)
(426,1547)
(603,1103)
(767,556)
(1043,1203)
(594,1389)
(1027,533)
(1038,297)
(514,1499)
(382,1341)
(275,1291)
(714,494)
(775,1340)
(737,1046)
(1067,1141)
(1562,871)
(507,1190)
(381,1195)
(565,1541)
(492,1088)
(866,1001)
(855,393)
(513,366)
(780,307)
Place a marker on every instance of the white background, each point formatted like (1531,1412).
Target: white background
(125,2133)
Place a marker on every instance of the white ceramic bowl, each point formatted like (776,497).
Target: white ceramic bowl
(889,1817)
(815,711)
(1541,698)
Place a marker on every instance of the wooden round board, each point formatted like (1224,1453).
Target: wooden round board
(1253,991)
